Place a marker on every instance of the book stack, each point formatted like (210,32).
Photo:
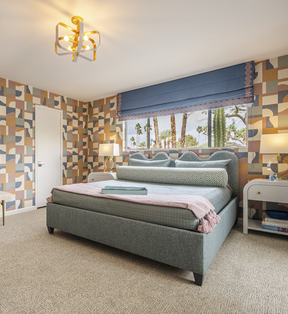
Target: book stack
(274,224)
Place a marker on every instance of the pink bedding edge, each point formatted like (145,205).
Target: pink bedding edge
(199,205)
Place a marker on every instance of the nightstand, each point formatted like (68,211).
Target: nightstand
(265,191)
(101,176)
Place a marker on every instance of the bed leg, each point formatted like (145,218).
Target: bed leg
(198,279)
(50,230)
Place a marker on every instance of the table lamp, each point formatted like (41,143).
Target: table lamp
(274,144)
(109,150)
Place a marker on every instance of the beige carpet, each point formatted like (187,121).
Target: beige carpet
(61,273)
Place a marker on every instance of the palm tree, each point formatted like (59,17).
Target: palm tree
(205,132)
(132,139)
(173,130)
(138,129)
(146,128)
(183,130)
(156,130)
(164,135)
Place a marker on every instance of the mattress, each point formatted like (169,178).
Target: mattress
(162,215)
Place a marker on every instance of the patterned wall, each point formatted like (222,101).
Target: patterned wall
(17,139)
(268,115)
(103,127)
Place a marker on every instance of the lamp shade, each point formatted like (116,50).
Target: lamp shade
(274,143)
(108,150)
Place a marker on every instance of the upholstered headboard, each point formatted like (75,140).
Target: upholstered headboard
(163,160)
(160,160)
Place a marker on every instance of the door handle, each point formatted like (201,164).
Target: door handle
(41,163)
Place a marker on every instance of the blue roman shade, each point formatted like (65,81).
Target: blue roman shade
(225,87)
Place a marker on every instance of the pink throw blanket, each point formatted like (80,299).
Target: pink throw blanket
(199,205)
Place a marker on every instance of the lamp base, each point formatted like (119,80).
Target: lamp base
(110,166)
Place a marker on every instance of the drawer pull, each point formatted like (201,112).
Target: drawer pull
(259,192)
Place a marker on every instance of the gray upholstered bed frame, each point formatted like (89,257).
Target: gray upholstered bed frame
(188,250)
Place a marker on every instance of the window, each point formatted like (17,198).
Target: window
(223,127)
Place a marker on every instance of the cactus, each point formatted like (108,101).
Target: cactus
(219,127)
(173,131)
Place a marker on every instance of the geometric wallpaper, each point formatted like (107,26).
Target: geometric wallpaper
(86,125)
(103,127)
(268,115)
(17,139)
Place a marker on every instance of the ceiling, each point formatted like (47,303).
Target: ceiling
(142,42)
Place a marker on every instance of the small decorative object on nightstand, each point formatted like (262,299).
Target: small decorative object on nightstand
(266,191)
(5,197)
(109,150)
(101,176)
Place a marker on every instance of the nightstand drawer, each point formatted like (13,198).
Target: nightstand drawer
(268,193)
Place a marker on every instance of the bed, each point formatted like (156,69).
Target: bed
(165,234)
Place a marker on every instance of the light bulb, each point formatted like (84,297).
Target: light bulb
(70,48)
(66,38)
(87,47)
(86,38)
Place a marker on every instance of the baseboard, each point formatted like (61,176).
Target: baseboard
(18,211)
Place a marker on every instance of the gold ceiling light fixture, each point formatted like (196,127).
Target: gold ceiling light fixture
(78,42)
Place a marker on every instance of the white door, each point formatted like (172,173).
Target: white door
(48,152)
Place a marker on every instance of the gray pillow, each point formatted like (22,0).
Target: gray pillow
(148,163)
(202,164)
(167,175)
